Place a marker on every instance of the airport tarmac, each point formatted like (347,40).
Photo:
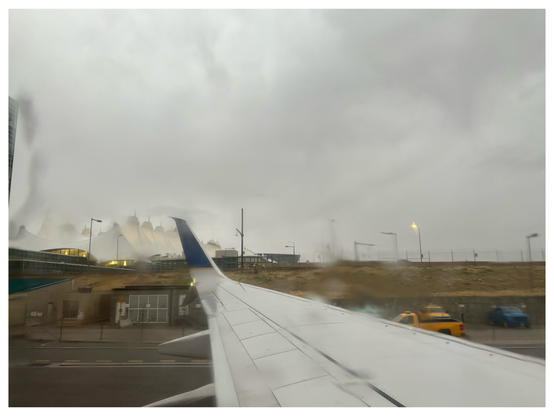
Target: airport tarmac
(151,333)
(95,374)
(111,367)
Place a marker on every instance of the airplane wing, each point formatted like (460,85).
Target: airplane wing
(273,349)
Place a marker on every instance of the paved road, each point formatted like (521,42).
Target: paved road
(23,351)
(81,386)
(524,341)
(481,332)
(95,374)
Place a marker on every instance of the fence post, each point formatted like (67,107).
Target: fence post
(61,328)
(142,326)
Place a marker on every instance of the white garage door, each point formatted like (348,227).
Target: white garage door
(148,308)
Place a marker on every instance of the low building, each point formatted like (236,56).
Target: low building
(282,257)
(32,301)
(155,304)
(83,307)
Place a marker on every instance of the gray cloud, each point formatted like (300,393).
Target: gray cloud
(375,118)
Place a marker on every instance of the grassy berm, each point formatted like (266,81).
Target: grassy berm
(352,281)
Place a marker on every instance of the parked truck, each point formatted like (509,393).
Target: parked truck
(432,312)
(446,326)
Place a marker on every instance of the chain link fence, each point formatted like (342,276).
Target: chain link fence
(470,255)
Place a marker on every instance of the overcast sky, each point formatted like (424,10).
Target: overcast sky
(325,126)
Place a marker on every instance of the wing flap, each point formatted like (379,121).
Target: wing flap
(194,346)
(249,387)
(201,397)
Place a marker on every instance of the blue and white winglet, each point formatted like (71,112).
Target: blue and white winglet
(273,349)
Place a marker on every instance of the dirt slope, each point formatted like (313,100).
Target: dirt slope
(352,281)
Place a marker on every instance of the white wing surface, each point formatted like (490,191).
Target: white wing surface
(273,349)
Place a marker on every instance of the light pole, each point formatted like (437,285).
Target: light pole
(90,240)
(293,252)
(356,244)
(395,242)
(415,227)
(333,238)
(117,252)
(529,237)
(241,238)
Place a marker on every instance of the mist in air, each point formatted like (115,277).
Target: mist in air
(328,127)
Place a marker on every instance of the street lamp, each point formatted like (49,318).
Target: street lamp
(90,239)
(529,243)
(415,227)
(395,242)
(241,232)
(529,237)
(117,252)
(293,252)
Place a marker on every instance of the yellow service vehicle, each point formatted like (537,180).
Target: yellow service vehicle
(446,326)
(432,312)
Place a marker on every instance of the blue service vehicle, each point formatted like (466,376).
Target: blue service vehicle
(509,316)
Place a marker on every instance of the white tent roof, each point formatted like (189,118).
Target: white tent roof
(47,228)
(211,247)
(105,246)
(25,240)
(137,242)
(68,232)
(160,240)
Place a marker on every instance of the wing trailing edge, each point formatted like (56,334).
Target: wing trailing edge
(201,397)
(192,346)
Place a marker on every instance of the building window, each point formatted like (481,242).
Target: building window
(148,308)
